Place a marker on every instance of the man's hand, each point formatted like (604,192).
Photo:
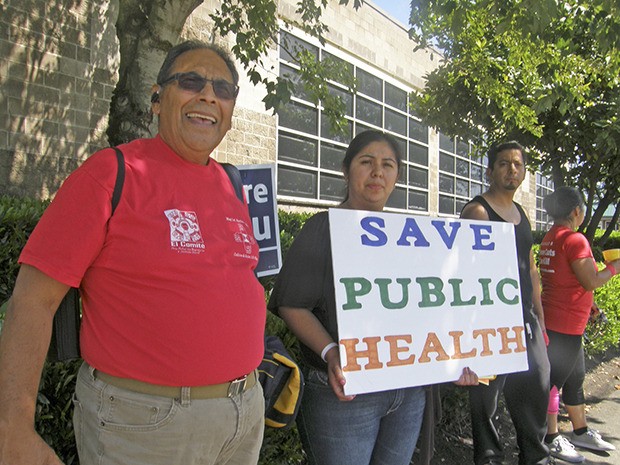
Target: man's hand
(467,378)
(23,446)
(23,346)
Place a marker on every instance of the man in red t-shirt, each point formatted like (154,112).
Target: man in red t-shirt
(173,315)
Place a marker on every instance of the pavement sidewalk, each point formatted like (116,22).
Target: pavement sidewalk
(604,417)
(602,390)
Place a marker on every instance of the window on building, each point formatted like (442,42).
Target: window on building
(544,186)
(461,174)
(310,154)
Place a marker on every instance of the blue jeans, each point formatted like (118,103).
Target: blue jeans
(379,428)
(114,426)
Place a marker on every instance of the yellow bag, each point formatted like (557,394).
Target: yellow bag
(282,383)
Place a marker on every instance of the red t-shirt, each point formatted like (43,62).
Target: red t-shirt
(565,302)
(168,287)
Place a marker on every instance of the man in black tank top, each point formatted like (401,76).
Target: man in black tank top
(527,392)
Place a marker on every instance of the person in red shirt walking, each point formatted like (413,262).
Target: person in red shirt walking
(569,275)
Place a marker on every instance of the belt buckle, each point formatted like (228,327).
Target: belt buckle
(237,386)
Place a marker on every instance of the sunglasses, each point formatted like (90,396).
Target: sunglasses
(194,82)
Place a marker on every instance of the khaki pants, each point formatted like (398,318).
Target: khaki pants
(114,426)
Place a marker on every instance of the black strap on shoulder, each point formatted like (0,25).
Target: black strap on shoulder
(120,179)
(235,179)
(65,342)
(231,171)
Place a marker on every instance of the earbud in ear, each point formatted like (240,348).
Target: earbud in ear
(155,97)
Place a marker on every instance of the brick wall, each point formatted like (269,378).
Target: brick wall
(252,139)
(58,71)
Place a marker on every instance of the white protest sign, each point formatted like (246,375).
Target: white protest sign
(419,298)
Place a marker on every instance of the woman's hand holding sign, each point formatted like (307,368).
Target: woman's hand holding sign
(334,372)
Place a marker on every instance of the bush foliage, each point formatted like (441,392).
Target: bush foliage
(54,407)
(18,218)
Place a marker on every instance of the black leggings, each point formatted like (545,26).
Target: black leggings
(568,368)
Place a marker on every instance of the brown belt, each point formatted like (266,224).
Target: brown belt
(213,391)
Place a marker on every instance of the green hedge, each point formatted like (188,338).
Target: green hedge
(612,243)
(18,218)
(600,336)
(53,414)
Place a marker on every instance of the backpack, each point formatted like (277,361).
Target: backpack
(65,342)
(282,383)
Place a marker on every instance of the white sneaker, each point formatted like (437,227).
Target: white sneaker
(591,440)
(561,448)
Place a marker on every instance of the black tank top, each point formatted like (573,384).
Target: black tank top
(524,239)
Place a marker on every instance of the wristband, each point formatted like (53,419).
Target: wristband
(611,269)
(326,349)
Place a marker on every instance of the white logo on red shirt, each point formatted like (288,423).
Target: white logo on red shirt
(185,233)
(244,237)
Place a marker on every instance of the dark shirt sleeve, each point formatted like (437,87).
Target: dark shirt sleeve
(301,279)
(306,280)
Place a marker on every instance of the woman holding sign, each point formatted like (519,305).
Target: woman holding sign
(336,429)
(569,275)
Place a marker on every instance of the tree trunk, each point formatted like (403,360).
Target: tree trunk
(611,227)
(146,30)
(596,217)
(557,173)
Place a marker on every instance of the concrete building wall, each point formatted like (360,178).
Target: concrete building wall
(372,36)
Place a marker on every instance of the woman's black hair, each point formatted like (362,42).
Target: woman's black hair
(560,203)
(180,49)
(363,139)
